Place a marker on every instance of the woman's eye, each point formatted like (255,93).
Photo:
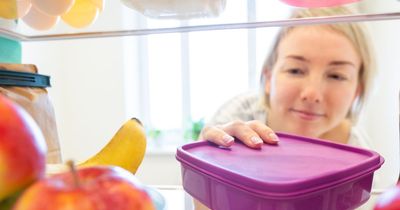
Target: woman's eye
(295,71)
(337,77)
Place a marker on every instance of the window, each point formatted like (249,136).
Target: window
(189,75)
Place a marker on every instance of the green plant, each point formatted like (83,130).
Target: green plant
(193,132)
(154,133)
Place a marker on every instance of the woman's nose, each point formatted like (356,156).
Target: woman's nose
(312,91)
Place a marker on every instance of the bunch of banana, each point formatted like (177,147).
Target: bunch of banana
(125,149)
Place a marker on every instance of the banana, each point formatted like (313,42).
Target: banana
(125,149)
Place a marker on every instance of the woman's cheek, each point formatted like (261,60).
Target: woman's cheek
(341,100)
(283,92)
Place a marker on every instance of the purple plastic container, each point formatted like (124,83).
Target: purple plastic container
(298,173)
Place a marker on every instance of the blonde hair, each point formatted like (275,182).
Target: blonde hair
(357,35)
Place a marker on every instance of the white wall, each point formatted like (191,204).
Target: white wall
(89,80)
(87,90)
(380,118)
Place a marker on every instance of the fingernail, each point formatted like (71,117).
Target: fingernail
(256,140)
(273,137)
(227,139)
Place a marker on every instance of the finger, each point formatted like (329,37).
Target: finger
(217,136)
(265,132)
(244,133)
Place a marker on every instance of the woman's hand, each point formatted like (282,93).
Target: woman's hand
(252,133)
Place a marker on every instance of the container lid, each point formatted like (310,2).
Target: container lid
(295,166)
(23,79)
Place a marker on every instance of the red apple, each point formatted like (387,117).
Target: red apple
(22,149)
(89,188)
(389,200)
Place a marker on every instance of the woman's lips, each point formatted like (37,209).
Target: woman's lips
(307,115)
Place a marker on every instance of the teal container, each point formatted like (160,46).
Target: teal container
(10,51)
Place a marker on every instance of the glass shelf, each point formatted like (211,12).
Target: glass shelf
(118,20)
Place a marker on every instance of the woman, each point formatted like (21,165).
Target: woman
(314,82)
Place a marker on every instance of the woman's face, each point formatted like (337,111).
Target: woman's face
(314,81)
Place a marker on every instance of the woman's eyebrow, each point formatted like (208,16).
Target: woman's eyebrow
(297,57)
(332,63)
(340,63)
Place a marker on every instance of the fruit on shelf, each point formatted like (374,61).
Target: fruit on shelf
(45,14)
(14,9)
(22,149)
(389,200)
(126,148)
(89,188)
(53,7)
(39,20)
(82,14)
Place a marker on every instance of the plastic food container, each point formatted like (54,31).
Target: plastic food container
(298,173)
(318,3)
(177,9)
